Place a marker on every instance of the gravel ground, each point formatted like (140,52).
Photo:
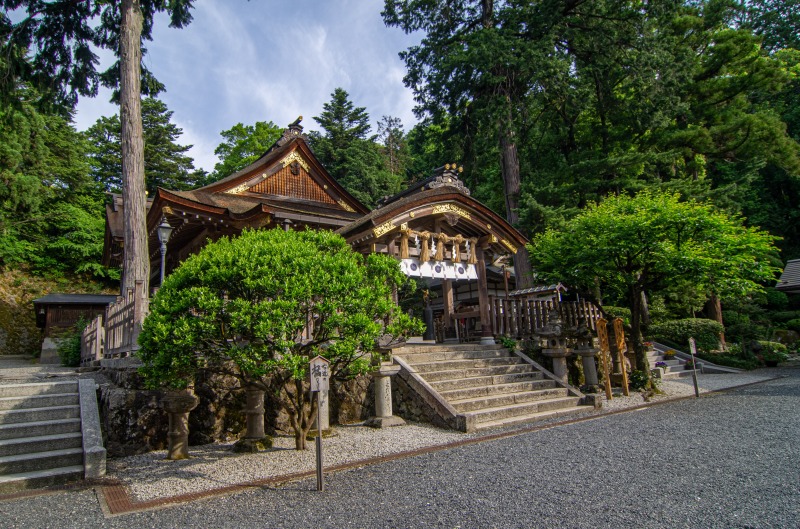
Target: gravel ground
(150,476)
(728,460)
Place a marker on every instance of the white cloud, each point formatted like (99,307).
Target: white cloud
(254,61)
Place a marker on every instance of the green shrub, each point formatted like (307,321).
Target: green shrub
(773,351)
(638,380)
(782,316)
(730,360)
(619,312)
(69,348)
(705,332)
(776,299)
(793,325)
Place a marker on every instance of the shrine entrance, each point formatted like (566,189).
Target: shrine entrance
(452,243)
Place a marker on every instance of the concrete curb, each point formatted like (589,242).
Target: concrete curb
(94,455)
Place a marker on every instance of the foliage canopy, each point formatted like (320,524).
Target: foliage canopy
(261,305)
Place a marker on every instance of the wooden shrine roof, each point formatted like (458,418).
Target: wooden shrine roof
(790,278)
(287,184)
(443,194)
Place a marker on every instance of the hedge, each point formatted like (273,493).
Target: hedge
(705,332)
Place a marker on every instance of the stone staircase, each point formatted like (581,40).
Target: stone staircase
(676,367)
(475,387)
(41,439)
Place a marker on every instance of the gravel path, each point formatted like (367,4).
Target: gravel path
(150,476)
(728,460)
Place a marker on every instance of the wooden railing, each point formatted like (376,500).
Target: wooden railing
(93,341)
(520,318)
(117,335)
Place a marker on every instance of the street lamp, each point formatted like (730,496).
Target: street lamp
(164,232)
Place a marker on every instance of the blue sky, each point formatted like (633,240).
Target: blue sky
(264,60)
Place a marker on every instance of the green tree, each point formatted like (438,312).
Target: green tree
(262,305)
(165,161)
(62,32)
(394,145)
(51,212)
(633,245)
(243,145)
(349,154)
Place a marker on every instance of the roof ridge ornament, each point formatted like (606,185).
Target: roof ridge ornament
(294,130)
(448,176)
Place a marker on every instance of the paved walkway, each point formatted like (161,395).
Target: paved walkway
(690,463)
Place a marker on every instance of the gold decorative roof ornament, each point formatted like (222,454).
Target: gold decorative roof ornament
(345,206)
(383,229)
(448,177)
(294,156)
(450,208)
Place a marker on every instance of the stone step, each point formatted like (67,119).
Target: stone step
(38,388)
(42,443)
(447,385)
(506,399)
(38,401)
(531,417)
(527,408)
(39,414)
(445,365)
(38,428)
(417,358)
(496,389)
(40,478)
(16,464)
(414,349)
(452,374)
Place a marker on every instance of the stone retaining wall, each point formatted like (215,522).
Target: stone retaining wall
(134,422)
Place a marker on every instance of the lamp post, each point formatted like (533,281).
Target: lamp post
(164,232)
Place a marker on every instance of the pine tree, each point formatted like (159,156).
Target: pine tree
(166,164)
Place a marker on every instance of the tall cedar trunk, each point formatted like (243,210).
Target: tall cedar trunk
(511,186)
(136,264)
(635,296)
(714,312)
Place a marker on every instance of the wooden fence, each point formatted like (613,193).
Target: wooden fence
(116,334)
(520,318)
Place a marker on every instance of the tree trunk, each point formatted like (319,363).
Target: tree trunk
(511,187)
(136,264)
(635,297)
(645,310)
(713,310)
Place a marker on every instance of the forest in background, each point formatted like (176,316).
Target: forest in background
(700,97)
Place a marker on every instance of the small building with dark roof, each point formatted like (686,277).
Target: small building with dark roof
(57,314)
(790,278)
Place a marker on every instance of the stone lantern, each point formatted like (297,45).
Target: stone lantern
(554,344)
(586,349)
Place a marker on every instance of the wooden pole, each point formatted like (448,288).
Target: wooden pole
(619,334)
(602,337)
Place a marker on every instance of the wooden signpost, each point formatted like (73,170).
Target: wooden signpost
(619,335)
(602,338)
(319,371)
(693,349)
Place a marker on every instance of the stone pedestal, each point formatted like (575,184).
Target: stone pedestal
(254,438)
(178,404)
(589,366)
(559,357)
(383,398)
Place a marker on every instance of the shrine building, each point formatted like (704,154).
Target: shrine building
(435,229)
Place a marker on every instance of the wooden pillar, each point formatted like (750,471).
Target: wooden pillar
(447,298)
(483,298)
